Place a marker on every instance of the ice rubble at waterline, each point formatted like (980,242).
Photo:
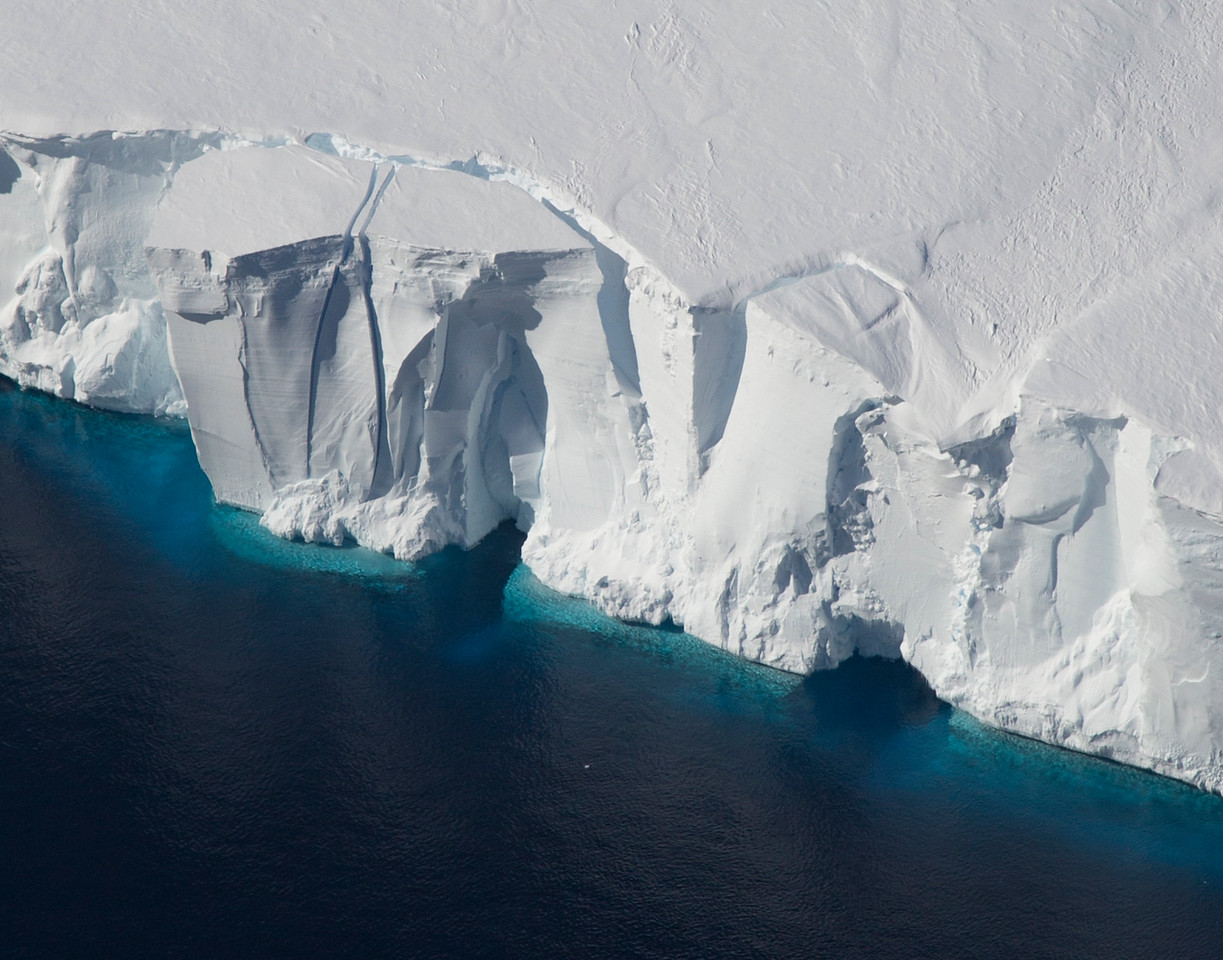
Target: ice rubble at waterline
(410,356)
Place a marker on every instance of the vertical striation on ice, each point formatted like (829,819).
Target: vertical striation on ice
(370,349)
(85,321)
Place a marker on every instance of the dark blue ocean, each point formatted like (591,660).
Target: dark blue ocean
(214,744)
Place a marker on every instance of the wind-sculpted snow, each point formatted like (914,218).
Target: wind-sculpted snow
(934,441)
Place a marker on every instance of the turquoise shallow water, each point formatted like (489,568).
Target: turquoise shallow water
(214,743)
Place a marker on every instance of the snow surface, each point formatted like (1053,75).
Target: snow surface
(812,327)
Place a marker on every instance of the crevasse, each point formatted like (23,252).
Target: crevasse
(408,354)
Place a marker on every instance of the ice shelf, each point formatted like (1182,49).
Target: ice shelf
(890,329)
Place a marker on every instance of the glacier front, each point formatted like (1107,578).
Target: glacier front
(918,365)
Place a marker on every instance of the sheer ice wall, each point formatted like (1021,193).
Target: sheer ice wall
(373,351)
(410,356)
(84,320)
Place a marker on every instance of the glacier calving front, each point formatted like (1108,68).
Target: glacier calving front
(814,328)
(409,357)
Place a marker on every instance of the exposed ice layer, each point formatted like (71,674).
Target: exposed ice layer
(81,317)
(920,356)
(787,478)
(409,356)
(381,384)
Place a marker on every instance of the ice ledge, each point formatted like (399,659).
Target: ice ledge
(814,469)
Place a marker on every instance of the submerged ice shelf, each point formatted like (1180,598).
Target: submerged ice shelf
(408,354)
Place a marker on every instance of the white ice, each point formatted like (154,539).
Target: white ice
(888,327)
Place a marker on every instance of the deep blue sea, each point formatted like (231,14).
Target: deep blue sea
(216,744)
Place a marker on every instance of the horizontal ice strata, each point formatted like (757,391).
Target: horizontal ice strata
(373,348)
(363,348)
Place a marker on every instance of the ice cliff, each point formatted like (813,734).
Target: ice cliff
(918,359)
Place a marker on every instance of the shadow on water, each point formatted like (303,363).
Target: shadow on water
(872,696)
(10,173)
(215,743)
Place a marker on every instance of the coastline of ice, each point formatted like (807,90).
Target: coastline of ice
(916,357)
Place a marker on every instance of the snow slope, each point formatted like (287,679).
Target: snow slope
(812,327)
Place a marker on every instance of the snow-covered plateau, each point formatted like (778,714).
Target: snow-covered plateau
(887,327)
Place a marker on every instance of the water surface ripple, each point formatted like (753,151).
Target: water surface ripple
(215,744)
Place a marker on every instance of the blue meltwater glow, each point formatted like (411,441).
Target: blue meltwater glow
(214,743)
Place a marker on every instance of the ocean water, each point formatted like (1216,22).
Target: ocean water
(216,744)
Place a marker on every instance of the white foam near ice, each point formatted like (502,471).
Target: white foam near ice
(889,329)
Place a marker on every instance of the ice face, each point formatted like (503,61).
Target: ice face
(84,321)
(379,383)
(776,477)
(917,358)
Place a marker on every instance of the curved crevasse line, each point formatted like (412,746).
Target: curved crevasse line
(934,645)
(558,201)
(380,476)
(264,458)
(320,327)
(723,329)
(563,206)
(365,201)
(721,333)
(338,278)
(376,200)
